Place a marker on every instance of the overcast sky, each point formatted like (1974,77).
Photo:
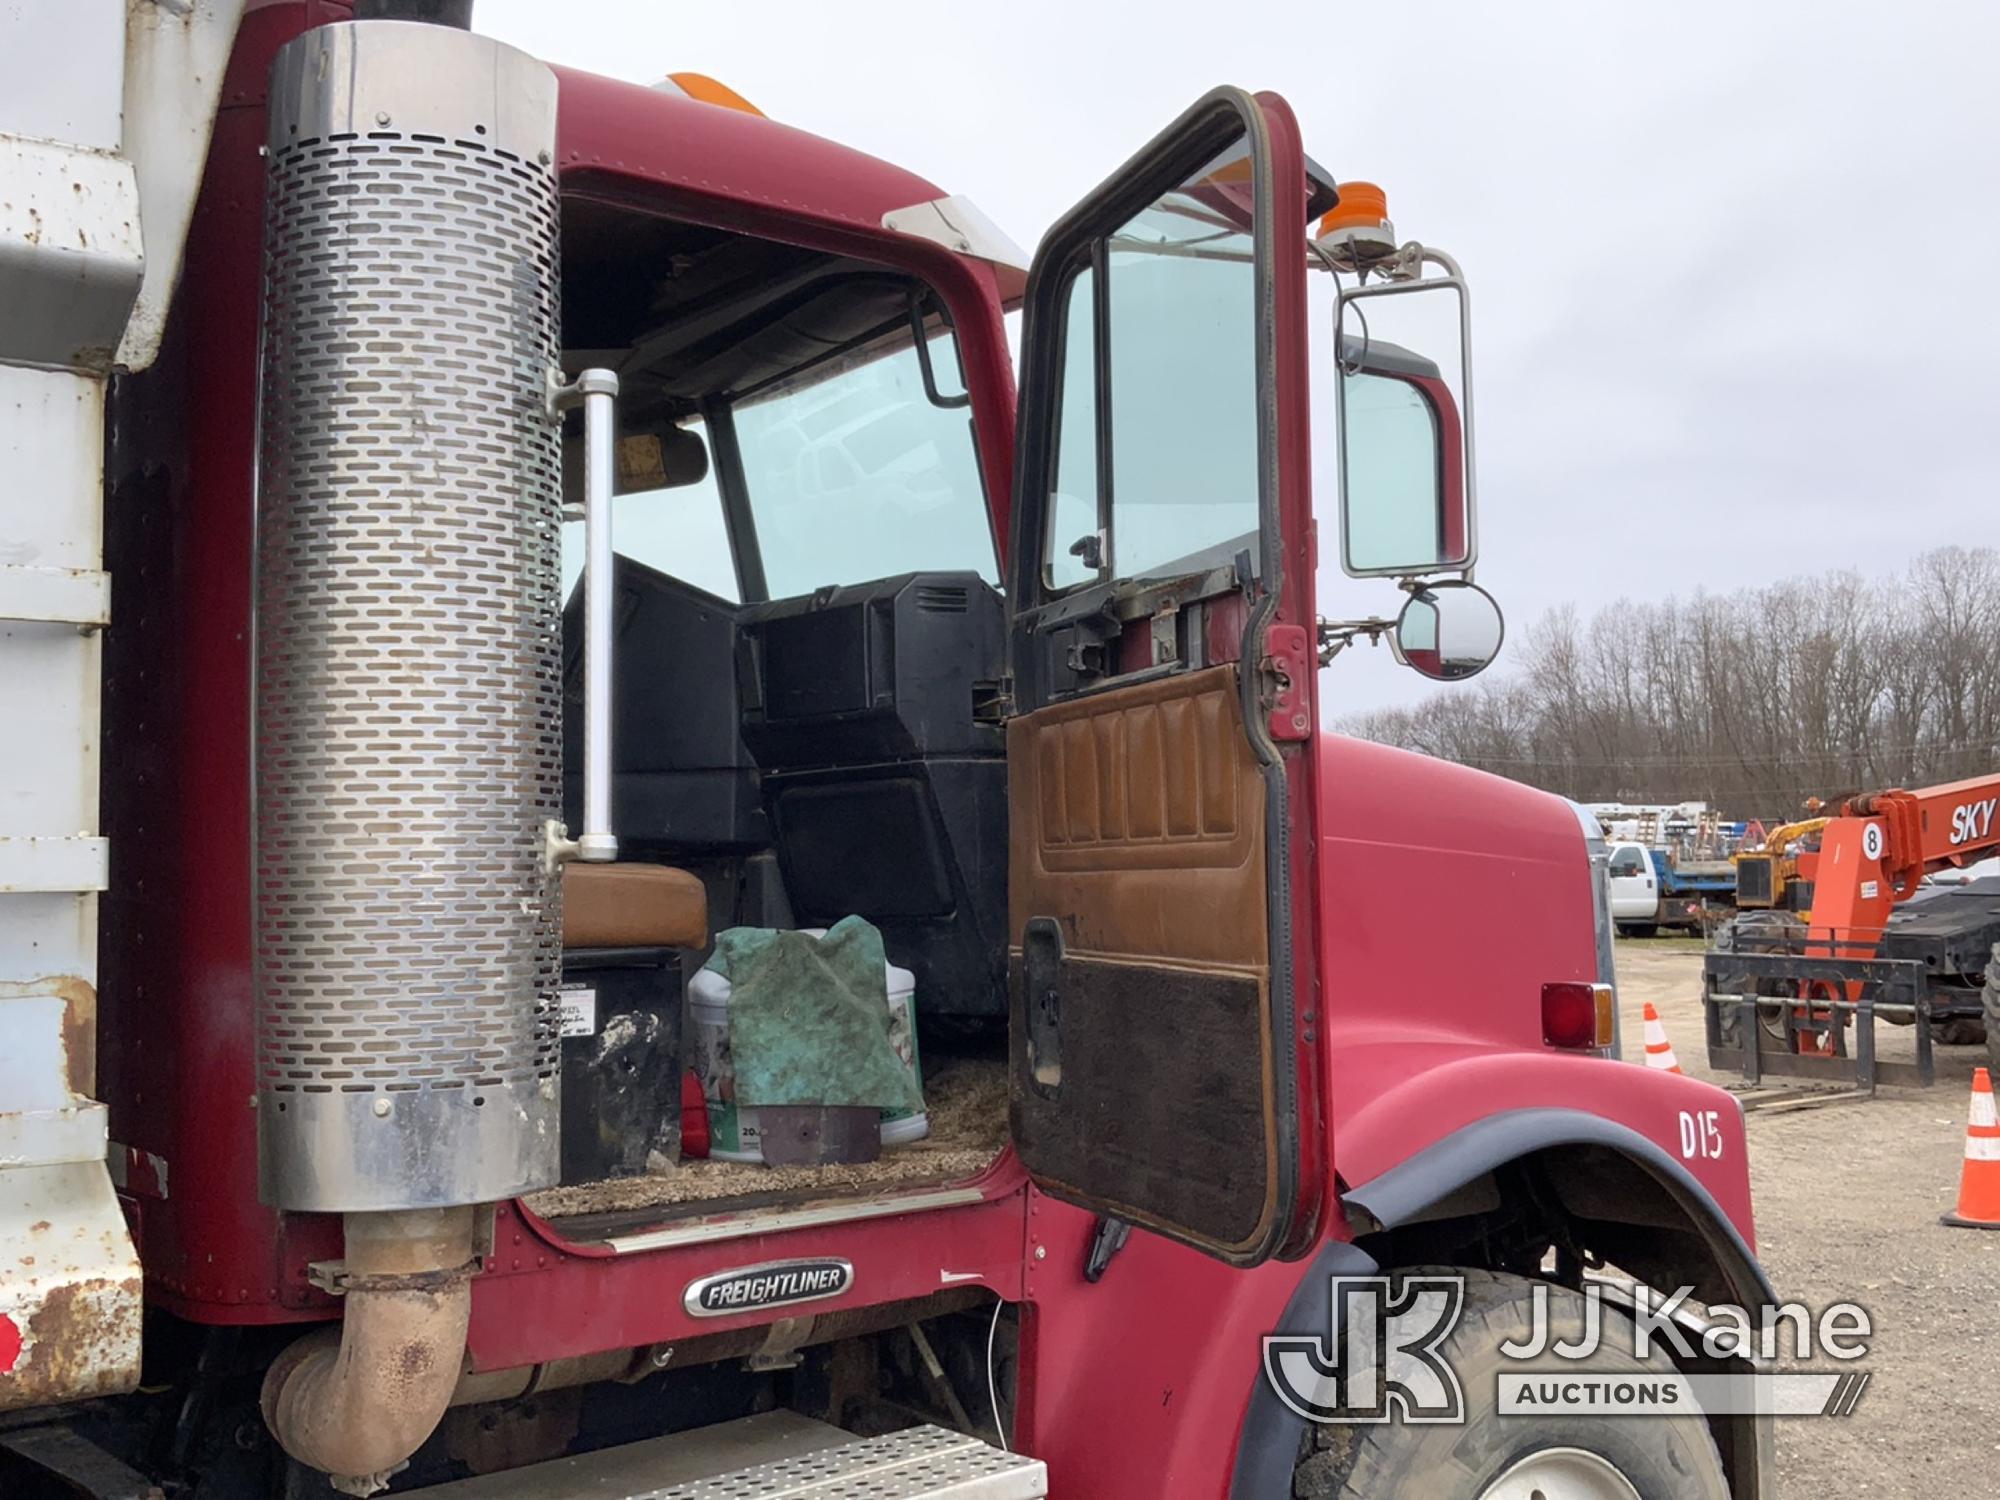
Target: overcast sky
(1733,313)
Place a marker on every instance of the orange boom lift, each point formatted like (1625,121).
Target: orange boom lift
(1873,854)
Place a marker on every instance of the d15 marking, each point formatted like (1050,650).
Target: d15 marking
(1701,1134)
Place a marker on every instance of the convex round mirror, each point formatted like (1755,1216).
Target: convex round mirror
(1450,630)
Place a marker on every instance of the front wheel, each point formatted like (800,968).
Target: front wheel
(1562,1474)
(1558,1456)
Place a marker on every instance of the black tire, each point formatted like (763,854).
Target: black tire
(1762,931)
(1959,1031)
(1640,930)
(1989,1002)
(1663,1458)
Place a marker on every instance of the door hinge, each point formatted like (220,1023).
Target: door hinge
(1288,669)
(993,702)
(1086,658)
(1164,629)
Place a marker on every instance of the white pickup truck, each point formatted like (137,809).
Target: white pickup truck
(1650,889)
(1635,887)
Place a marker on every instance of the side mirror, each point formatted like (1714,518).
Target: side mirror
(1408,507)
(1406,474)
(1449,630)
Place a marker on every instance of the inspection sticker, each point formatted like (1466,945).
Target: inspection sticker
(579,1012)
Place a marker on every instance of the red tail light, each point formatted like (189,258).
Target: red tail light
(1576,1015)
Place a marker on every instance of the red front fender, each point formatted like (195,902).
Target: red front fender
(1400,1097)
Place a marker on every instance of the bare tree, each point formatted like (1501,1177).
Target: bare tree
(1750,701)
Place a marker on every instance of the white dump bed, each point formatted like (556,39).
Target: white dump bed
(105,113)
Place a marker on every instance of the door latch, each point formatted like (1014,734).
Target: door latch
(1289,666)
(1041,977)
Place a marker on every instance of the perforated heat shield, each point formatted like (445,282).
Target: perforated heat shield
(408,710)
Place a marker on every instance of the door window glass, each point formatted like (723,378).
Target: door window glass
(1073,538)
(1182,282)
(1178,301)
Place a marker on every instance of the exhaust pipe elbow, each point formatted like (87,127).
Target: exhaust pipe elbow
(357,1401)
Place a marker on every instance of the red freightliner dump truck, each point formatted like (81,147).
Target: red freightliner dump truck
(551,520)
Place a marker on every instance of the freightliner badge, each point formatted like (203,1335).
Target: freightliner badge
(776,1283)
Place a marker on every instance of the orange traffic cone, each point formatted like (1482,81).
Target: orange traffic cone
(1979,1180)
(1659,1051)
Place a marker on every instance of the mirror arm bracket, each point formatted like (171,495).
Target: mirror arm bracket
(1335,636)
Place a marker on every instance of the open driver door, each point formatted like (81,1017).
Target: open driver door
(1161,771)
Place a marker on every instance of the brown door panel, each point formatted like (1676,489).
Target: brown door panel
(1141,958)
(1138,823)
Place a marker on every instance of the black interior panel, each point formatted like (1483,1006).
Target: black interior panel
(863,843)
(685,312)
(848,740)
(682,779)
(871,710)
(904,667)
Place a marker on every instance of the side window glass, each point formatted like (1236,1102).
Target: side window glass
(1175,289)
(1182,281)
(1070,554)
(678,531)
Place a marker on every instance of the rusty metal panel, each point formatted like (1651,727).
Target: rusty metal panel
(69,1279)
(69,1286)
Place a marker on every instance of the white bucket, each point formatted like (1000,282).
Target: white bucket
(901,1126)
(732,1129)
(732,1132)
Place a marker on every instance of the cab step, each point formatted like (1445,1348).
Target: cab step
(773,1456)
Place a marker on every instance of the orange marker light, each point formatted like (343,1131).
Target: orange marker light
(1362,205)
(708,91)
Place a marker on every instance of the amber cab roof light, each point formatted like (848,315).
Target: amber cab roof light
(1361,205)
(1357,232)
(710,91)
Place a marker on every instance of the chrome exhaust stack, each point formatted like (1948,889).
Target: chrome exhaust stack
(408,694)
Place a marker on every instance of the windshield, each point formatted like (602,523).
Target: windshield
(854,473)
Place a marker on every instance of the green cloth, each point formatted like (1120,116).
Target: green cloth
(809,1018)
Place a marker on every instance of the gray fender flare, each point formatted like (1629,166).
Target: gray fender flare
(1403,1191)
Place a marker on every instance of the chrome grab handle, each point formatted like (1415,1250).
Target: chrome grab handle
(597,391)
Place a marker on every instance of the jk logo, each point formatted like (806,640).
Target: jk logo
(1379,1361)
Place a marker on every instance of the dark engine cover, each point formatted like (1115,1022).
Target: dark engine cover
(873,713)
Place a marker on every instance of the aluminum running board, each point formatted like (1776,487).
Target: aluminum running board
(774,1456)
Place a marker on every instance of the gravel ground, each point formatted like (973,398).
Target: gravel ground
(1847,1200)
